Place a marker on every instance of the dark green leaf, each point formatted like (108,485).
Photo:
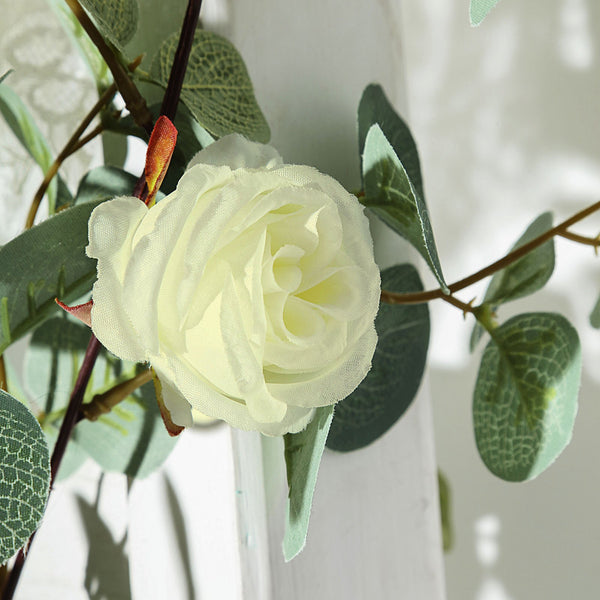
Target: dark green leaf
(523,277)
(303,453)
(216,88)
(116,19)
(42,264)
(595,315)
(398,365)
(391,196)
(479,9)
(525,398)
(130,439)
(24,475)
(104,183)
(375,108)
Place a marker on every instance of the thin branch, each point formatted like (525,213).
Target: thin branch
(69,148)
(102,404)
(582,239)
(131,95)
(511,257)
(180,61)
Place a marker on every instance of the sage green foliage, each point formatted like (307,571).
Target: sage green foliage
(479,10)
(374,107)
(104,183)
(391,196)
(22,124)
(43,263)
(24,475)
(523,277)
(132,438)
(303,453)
(446,512)
(525,398)
(595,315)
(398,364)
(216,89)
(116,19)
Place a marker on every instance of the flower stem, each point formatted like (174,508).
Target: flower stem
(131,95)
(71,146)
(104,403)
(511,257)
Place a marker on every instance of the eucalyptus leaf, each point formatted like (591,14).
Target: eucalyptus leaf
(595,315)
(131,438)
(104,183)
(43,263)
(24,475)
(479,10)
(391,196)
(446,512)
(375,108)
(525,398)
(523,277)
(398,364)
(22,124)
(116,19)
(216,89)
(303,453)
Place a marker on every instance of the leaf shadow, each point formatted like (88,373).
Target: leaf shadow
(181,537)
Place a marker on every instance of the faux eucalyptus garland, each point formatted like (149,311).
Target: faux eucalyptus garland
(292,351)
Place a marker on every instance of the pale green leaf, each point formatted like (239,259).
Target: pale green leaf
(373,108)
(24,475)
(525,398)
(42,264)
(22,124)
(479,9)
(303,453)
(398,365)
(132,438)
(116,19)
(391,196)
(446,512)
(216,88)
(523,277)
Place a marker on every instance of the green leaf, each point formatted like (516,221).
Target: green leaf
(525,398)
(595,315)
(3,77)
(24,475)
(391,196)
(104,183)
(131,438)
(303,453)
(398,365)
(375,108)
(479,9)
(42,264)
(216,88)
(116,19)
(21,123)
(523,277)
(81,41)
(446,512)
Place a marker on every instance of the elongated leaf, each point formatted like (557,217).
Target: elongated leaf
(116,19)
(24,475)
(22,124)
(104,183)
(216,88)
(525,398)
(398,365)
(374,107)
(42,264)
(446,512)
(132,438)
(479,10)
(595,315)
(391,196)
(523,277)
(303,453)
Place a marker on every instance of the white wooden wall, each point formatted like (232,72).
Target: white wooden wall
(220,499)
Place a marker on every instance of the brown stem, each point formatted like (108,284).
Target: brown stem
(581,239)
(104,403)
(511,257)
(69,148)
(133,99)
(88,138)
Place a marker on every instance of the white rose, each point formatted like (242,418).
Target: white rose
(251,289)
